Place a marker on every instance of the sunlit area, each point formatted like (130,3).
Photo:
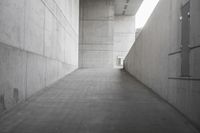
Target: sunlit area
(145,12)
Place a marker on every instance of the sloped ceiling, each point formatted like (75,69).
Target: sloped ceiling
(127,7)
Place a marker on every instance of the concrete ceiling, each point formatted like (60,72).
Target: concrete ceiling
(127,7)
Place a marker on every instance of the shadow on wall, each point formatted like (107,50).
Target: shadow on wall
(165,55)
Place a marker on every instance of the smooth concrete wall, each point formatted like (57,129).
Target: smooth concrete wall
(38,46)
(155,58)
(124,37)
(96,33)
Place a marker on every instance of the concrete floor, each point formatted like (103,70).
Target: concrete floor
(95,101)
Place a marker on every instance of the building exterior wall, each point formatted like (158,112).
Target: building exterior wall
(38,46)
(124,37)
(96,33)
(155,57)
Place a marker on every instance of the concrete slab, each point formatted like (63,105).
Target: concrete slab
(124,37)
(32,47)
(99,59)
(96,47)
(195,62)
(175,65)
(51,71)
(12,76)
(71,51)
(34,26)
(51,37)
(195,28)
(97,101)
(60,43)
(35,74)
(100,10)
(75,16)
(123,42)
(12,22)
(194,100)
(155,58)
(124,24)
(97,32)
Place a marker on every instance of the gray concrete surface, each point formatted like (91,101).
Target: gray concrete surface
(124,37)
(155,58)
(104,36)
(38,46)
(95,101)
(127,7)
(96,33)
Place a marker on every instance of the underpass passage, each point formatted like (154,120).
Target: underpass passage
(95,101)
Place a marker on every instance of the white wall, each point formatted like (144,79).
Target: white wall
(38,46)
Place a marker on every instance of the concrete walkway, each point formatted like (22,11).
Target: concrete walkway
(95,101)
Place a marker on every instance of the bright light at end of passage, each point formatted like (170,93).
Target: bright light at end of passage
(145,12)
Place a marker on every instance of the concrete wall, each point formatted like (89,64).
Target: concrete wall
(124,37)
(96,33)
(38,46)
(155,58)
